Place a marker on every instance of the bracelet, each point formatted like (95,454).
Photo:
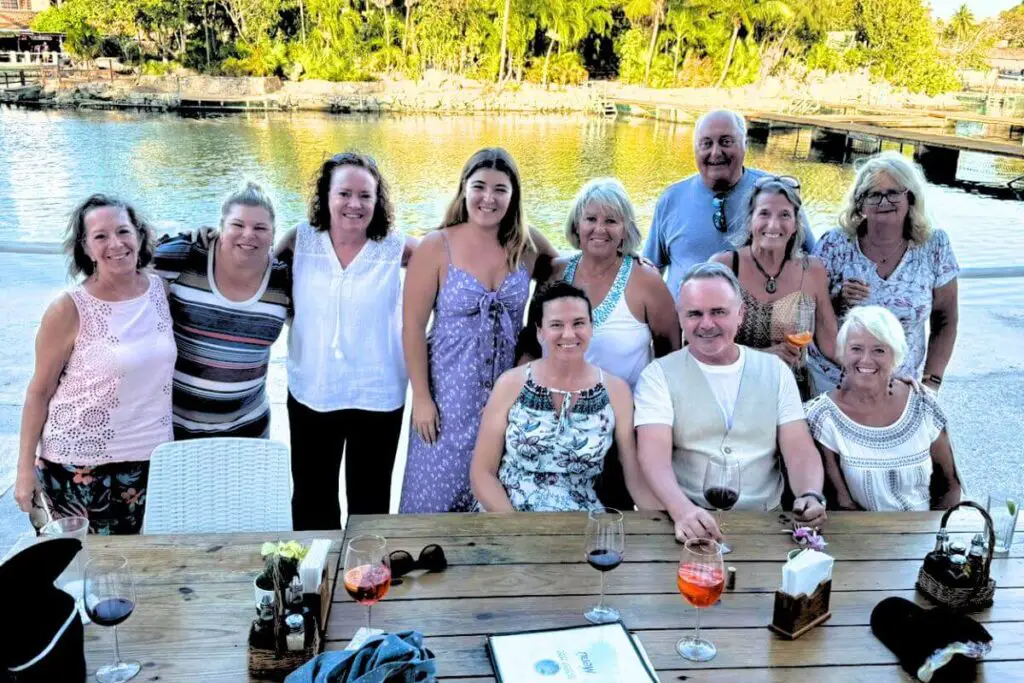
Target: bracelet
(934,379)
(813,494)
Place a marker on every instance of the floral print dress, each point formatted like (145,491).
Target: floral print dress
(552,459)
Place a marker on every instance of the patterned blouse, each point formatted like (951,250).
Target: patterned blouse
(552,458)
(885,468)
(907,292)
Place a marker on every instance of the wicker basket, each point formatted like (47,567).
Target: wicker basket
(962,598)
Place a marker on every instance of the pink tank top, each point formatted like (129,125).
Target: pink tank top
(113,401)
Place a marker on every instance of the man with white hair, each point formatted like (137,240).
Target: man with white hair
(695,217)
(715,399)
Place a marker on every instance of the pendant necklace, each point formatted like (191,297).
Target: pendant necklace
(769,285)
(885,259)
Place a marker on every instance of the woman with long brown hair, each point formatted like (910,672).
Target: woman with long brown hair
(474,275)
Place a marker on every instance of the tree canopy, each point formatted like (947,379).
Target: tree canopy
(660,43)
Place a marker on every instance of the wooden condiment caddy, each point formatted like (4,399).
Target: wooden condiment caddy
(276,664)
(795,616)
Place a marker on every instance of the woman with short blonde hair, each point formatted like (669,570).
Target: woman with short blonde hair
(887,251)
(884,440)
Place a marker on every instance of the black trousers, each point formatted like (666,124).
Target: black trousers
(610,486)
(369,440)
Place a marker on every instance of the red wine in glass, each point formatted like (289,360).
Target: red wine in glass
(110,611)
(721,498)
(722,488)
(604,560)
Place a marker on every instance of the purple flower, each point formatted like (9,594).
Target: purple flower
(809,538)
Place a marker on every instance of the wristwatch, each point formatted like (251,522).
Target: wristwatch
(815,495)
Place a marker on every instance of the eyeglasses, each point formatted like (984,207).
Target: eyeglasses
(431,558)
(784,179)
(718,217)
(891,196)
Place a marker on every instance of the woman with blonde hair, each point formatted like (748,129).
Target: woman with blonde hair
(887,252)
(883,440)
(229,299)
(785,294)
(634,319)
(474,275)
(99,400)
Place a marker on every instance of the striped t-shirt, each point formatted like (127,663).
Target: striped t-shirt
(223,346)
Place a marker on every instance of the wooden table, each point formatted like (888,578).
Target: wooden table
(523,571)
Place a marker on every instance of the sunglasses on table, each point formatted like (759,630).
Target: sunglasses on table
(431,559)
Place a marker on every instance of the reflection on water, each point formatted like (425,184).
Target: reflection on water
(178,169)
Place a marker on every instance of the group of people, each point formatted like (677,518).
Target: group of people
(617,392)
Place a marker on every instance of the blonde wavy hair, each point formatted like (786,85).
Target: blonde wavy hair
(918,225)
(610,195)
(513,232)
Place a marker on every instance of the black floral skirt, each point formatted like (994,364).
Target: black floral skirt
(112,497)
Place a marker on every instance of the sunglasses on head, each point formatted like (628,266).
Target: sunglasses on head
(787,180)
(431,558)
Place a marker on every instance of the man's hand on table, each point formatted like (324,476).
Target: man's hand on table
(696,522)
(808,511)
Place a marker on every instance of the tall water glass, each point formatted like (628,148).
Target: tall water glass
(1003,510)
(70,581)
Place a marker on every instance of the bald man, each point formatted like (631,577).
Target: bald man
(697,216)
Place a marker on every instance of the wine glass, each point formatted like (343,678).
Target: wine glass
(109,596)
(722,488)
(803,326)
(700,579)
(367,571)
(604,547)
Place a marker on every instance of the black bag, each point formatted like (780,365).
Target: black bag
(48,645)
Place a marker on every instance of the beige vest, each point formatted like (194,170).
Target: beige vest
(699,429)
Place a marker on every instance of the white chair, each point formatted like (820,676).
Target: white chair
(218,485)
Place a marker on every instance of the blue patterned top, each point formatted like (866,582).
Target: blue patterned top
(552,458)
(611,300)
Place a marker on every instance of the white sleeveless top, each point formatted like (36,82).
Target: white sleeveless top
(113,401)
(345,342)
(621,344)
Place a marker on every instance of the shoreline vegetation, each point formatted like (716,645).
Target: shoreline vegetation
(443,93)
(515,55)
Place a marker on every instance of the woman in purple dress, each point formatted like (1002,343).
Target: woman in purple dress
(474,275)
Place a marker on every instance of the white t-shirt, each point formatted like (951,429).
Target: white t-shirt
(654,403)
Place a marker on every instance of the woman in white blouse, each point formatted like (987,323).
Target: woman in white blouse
(884,440)
(346,374)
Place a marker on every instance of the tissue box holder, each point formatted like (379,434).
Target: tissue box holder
(276,664)
(795,616)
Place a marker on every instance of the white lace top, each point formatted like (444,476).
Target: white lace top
(885,468)
(345,342)
(113,401)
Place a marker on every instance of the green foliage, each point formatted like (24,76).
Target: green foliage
(667,43)
(1010,26)
(157,68)
(903,49)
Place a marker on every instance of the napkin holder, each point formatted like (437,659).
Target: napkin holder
(49,642)
(796,615)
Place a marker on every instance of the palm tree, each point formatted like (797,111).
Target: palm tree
(746,14)
(638,11)
(961,24)
(504,40)
(408,25)
(568,22)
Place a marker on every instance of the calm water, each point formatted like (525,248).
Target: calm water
(178,169)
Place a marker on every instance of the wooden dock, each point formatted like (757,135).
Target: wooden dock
(900,135)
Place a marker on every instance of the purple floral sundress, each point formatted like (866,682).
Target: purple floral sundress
(472,341)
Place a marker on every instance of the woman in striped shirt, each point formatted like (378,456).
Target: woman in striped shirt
(229,300)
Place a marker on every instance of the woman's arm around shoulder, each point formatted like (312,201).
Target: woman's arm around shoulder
(285,249)
(622,404)
(490,442)
(545,254)
(659,311)
(54,344)
(407,250)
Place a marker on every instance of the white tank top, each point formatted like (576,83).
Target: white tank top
(113,401)
(621,344)
(345,341)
